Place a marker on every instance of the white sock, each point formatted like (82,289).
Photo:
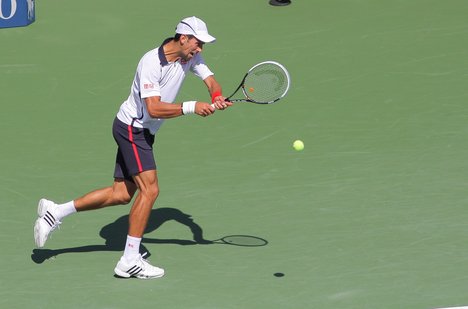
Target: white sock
(64,210)
(132,248)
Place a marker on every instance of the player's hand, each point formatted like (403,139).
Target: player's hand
(204,109)
(221,103)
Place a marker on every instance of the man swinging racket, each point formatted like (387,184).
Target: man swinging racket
(157,81)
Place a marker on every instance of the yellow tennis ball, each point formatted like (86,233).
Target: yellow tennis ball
(298,145)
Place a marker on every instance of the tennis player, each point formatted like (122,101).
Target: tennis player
(159,76)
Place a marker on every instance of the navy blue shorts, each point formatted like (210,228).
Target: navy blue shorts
(135,152)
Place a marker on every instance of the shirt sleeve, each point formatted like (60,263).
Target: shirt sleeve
(199,68)
(150,76)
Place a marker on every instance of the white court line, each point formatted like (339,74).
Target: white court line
(463,307)
(261,139)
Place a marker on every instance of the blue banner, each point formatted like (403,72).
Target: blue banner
(16,13)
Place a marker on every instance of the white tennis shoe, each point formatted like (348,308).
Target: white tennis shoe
(46,223)
(140,268)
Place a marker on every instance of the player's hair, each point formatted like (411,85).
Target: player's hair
(178,35)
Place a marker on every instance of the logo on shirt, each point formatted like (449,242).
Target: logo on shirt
(148,86)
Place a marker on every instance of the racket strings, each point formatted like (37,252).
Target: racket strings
(265,83)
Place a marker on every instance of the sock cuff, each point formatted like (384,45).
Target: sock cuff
(133,238)
(65,210)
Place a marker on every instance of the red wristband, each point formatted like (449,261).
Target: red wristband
(214,95)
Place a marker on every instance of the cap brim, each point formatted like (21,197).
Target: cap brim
(205,38)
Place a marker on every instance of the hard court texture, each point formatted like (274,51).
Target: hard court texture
(372,214)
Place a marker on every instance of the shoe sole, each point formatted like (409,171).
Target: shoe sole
(36,232)
(41,211)
(123,274)
(120,273)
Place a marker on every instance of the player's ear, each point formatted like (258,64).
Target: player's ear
(183,39)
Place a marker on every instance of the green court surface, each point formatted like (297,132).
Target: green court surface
(371,215)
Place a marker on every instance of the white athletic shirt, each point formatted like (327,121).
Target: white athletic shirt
(155,76)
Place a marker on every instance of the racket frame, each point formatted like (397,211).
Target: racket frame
(242,85)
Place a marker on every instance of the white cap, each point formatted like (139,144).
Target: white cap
(196,27)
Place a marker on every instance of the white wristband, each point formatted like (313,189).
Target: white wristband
(188,107)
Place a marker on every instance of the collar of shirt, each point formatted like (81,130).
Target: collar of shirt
(162,57)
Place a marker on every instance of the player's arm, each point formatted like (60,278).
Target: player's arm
(159,109)
(216,93)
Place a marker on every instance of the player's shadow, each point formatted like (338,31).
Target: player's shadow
(115,235)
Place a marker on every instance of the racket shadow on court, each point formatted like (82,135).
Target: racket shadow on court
(115,236)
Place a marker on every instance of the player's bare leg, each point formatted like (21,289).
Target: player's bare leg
(50,214)
(132,263)
(120,193)
(148,191)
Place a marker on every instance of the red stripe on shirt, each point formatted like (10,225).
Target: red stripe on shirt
(135,150)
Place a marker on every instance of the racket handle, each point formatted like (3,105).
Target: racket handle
(225,100)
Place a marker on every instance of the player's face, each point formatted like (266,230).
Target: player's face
(191,48)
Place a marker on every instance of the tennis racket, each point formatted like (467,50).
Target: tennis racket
(265,83)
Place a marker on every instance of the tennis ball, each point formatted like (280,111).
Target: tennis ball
(298,145)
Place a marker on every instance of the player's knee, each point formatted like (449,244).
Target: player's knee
(151,192)
(122,197)
(154,192)
(124,200)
